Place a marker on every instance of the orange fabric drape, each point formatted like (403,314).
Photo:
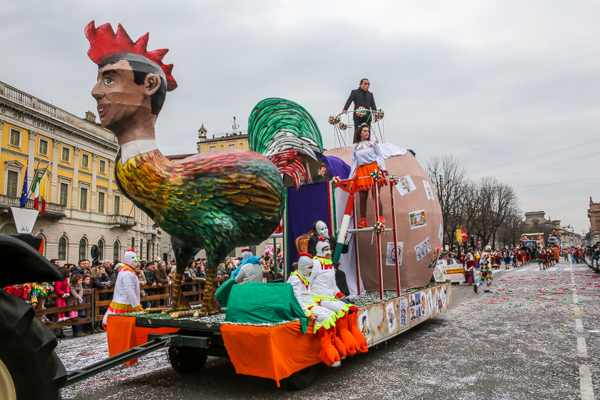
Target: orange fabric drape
(271,352)
(122,335)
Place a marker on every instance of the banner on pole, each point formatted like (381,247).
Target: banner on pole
(461,236)
(24,219)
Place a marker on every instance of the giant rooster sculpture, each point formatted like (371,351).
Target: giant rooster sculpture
(215,201)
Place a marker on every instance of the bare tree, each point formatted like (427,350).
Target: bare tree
(449,176)
(495,201)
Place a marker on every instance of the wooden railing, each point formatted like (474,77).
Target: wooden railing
(87,306)
(96,308)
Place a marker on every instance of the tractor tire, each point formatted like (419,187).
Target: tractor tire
(187,360)
(301,379)
(29,366)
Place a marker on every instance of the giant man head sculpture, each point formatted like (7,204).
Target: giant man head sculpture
(132,82)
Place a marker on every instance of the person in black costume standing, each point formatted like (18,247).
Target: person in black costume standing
(361,98)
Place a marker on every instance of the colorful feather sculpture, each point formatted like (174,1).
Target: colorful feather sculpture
(282,130)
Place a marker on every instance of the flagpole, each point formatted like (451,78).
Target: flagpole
(32,180)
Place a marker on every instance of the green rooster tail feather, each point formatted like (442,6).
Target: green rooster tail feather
(274,115)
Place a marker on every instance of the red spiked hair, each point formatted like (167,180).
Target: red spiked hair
(104,42)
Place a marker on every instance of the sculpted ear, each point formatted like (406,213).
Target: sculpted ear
(151,84)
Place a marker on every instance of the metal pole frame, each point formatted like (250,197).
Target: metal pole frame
(395,239)
(356,254)
(379,265)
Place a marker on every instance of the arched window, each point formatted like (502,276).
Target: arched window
(8,229)
(117,250)
(82,249)
(44,243)
(62,248)
(101,249)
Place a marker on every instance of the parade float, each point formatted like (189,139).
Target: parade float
(220,201)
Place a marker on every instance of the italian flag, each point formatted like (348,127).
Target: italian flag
(39,190)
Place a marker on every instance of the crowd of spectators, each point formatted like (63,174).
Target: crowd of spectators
(158,274)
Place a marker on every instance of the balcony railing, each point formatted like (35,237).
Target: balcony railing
(121,220)
(52,209)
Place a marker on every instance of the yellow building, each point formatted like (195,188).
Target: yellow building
(227,141)
(76,155)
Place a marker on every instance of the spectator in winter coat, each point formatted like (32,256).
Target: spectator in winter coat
(160,275)
(62,290)
(82,268)
(76,298)
(201,273)
(222,273)
(161,279)
(142,278)
(100,279)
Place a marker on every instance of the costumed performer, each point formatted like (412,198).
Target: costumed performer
(361,98)
(249,269)
(366,157)
(126,297)
(485,274)
(469,266)
(320,230)
(323,318)
(327,294)
(540,256)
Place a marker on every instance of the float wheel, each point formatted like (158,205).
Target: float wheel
(302,379)
(28,363)
(187,360)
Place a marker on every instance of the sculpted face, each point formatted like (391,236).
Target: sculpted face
(322,229)
(123,104)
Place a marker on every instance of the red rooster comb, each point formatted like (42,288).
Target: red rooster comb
(305,255)
(321,239)
(104,43)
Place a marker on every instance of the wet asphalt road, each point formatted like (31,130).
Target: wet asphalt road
(537,336)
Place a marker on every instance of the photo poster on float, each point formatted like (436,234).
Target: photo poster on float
(417,219)
(422,249)
(403,312)
(416,301)
(390,254)
(428,190)
(364,325)
(390,317)
(435,257)
(437,306)
(405,185)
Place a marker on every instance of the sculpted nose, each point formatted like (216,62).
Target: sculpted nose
(96,93)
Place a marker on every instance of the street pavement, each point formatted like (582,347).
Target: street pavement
(536,336)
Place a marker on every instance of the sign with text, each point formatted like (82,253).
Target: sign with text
(24,219)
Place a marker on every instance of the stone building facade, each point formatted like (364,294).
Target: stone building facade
(235,139)
(594,216)
(76,155)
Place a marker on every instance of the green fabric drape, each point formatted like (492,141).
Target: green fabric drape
(263,303)
(222,294)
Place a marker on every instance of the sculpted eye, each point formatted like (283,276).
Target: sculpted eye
(108,81)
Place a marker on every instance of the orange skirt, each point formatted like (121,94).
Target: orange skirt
(365,182)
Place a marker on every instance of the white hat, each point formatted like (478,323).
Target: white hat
(304,263)
(321,244)
(246,253)
(130,258)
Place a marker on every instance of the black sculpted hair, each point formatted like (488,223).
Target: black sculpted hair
(141,67)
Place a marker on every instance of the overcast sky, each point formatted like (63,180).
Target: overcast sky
(491,82)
